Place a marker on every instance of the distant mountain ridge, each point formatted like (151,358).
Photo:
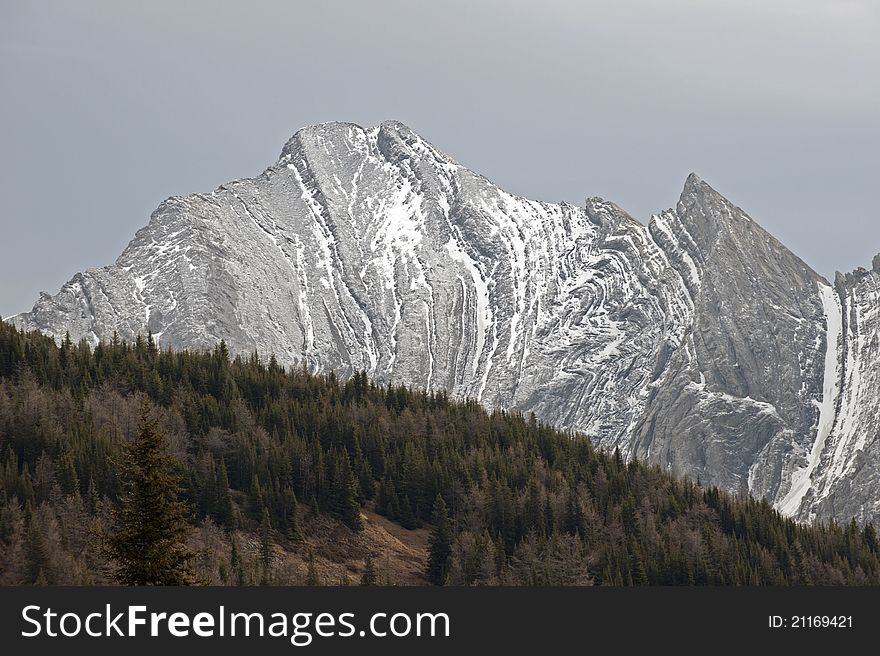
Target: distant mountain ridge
(697,342)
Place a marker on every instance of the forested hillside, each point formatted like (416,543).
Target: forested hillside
(286,475)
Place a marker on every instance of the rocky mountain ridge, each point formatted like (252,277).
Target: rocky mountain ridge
(698,342)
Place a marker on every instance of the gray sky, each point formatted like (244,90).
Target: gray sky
(110,107)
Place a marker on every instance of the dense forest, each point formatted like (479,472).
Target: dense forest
(292,478)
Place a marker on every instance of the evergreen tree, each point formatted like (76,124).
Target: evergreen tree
(67,475)
(290,506)
(369,577)
(439,544)
(265,546)
(36,555)
(404,513)
(94,498)
(256,498)
(344,491)
(225,510)
(148,544)
(235,561)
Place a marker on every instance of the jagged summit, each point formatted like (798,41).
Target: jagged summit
(693,182)
(697,342)
(714,223)
(389,138)
(698,195)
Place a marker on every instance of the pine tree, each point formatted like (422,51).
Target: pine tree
(225,510)
(290,504)
(235,561)
(439,544)
(574,515)
(404,513)
(67,475)
(344,492)
(256,499)
(869,535)
(147,545)
(265,546)
(36,554)
(639,574)
(369,577)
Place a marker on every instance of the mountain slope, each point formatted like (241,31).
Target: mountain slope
(848,458)
(738,399)
(293,478)
(697,342)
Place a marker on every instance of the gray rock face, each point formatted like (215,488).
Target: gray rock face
(735,404)
(697,342)
(846,481)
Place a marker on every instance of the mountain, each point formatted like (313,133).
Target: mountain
(697,342)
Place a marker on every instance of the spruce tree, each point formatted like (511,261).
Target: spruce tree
(404,513)
(67,476)
(344,492)
(235,561)
(369,577)
(256,499)
(36,554)
(439,544)
(265,546)
(225,509)
(148,544)
(290,504)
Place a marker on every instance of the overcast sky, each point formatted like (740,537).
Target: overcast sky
(107,108)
